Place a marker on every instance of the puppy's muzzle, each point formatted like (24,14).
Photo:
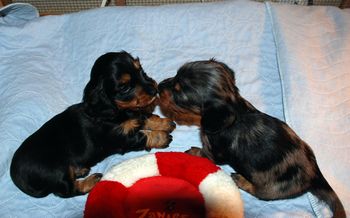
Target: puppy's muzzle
(165,84)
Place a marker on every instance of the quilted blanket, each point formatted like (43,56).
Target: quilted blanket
(290,61)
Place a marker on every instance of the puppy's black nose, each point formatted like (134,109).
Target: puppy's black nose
(164,84)
(161,87)
(153,91)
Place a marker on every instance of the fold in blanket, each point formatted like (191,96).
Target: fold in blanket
(17,14)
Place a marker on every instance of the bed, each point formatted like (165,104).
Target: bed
(291,62)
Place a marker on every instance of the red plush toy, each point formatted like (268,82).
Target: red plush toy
(165,185)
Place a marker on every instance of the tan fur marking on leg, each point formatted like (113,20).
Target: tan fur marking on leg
(129,126)
(243,184)
(85,185)
(157,123)
(195,151)
(156,139)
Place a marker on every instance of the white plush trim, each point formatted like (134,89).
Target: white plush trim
(221,196)
(130,171)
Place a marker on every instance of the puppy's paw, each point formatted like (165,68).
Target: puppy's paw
(155,122)
(243,183)
(97,176)
(81,172)
(238,178)
(195,151)
(85,185)
(169,125)
(157,139)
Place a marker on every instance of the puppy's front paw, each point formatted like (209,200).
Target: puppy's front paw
(238,178)
(195,151)
(155,122)
(243,183)
(169,125)
(81,172)
(157,139)
(84,186)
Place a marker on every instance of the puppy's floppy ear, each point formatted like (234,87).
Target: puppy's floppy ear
(215,118)
(96,98)
(92,92)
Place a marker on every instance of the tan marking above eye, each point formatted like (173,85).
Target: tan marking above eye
(125,78)
(177,87)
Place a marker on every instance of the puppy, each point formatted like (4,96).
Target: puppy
(114,117)
(271,161)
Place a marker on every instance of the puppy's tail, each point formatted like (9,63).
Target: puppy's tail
(323,191)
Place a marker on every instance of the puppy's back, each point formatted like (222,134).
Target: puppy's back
(42,160)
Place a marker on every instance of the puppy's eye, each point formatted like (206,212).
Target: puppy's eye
(124,88)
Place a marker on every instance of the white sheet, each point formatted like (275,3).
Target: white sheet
(45,64)
(313,46)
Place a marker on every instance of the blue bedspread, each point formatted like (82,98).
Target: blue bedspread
(45,63)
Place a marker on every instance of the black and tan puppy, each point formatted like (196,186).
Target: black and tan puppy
(271,161)
(114,117)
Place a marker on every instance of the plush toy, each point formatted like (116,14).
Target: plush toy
(165,185)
